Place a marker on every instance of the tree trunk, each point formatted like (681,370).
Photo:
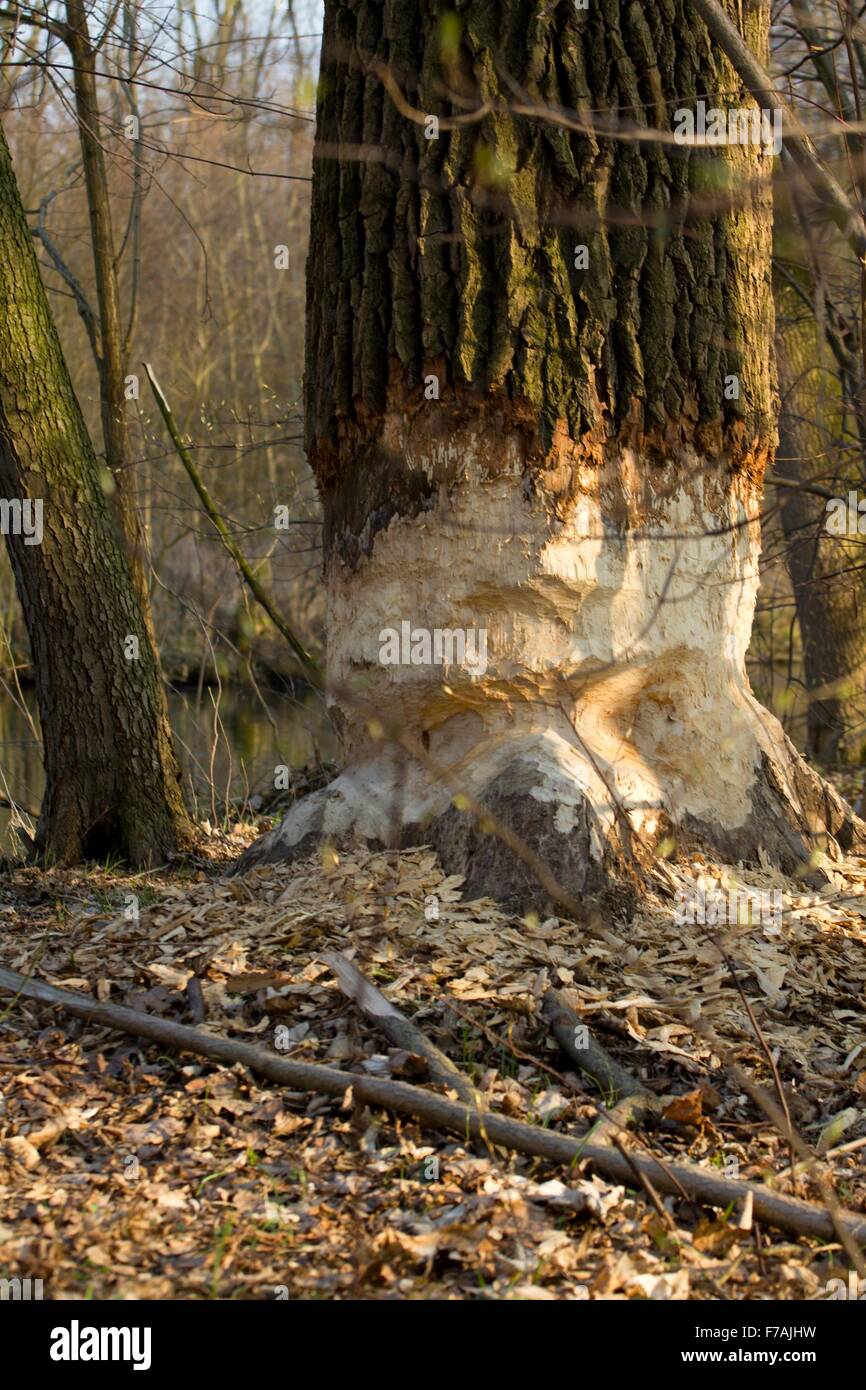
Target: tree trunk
(818,414)
(826,577)
(112,783)
(561,448)
(112,360)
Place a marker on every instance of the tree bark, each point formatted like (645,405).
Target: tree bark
(112,782)
(562,448)
(826,571)
(112,360)
(829,589)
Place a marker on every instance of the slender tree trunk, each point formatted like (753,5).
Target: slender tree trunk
(539,405)
(112,784)
(829,592)
(831,614)
(113,357)
(826,571)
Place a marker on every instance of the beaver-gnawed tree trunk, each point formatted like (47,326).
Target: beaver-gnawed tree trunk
(564,448)
(112,784)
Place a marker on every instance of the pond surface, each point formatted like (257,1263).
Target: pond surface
(228,742)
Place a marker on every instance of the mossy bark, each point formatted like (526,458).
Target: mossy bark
(112,781)
(456,256)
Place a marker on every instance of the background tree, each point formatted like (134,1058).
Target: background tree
(821,55)
(817,449)
(189,215)
(112,785)
(200,205)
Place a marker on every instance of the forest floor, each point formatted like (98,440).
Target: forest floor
(129,1171)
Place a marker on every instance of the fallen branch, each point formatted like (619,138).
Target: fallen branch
(629,1113)
(635,1104)
(397,1028)
(786,1213)
(257,590)
(765,1102)
(11,805)
(518,1053)
(587,1054)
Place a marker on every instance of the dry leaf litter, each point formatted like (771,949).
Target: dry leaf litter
(128,1171)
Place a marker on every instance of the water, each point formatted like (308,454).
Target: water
(228,744)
